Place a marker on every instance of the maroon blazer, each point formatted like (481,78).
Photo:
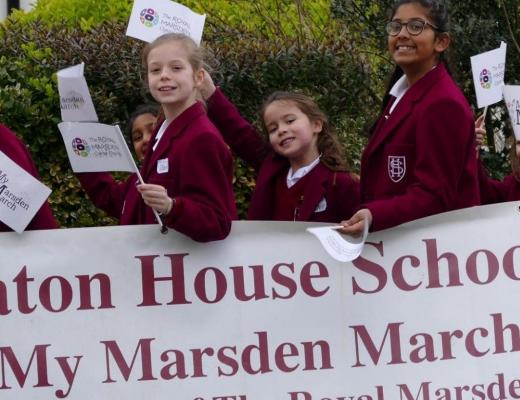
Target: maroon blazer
(339,189)
(493,191)
(198,175)
(421,158)
(16,150)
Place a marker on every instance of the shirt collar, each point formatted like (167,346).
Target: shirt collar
(292,178)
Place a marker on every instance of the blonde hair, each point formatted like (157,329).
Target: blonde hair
(195,52)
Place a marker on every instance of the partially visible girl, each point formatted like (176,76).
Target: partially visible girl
(108,194)
(301,172)
(494,191)
(141,125)
(420,159)
(188,170)
(16,150)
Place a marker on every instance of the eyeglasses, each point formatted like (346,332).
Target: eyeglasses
(414,27)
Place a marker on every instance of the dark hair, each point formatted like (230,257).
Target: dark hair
(140,110)
(437,12)
(438,15)
(328,143)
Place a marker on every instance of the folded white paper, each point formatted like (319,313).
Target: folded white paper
(340,247)
(21,195)
(75,101)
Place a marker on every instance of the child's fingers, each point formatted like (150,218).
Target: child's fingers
(480,122)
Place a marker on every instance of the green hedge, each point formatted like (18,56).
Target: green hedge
(257,47)
(248,70)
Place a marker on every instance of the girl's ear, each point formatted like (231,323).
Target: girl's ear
(199,78)
(317,126)
(442,42)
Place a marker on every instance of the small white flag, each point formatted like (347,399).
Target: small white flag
(512,100)
(75,101)
(152,18)
(95,147)
(339,247)
(488,75)
(21,195)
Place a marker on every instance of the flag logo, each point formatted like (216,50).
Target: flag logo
(149,17)
(485,79)
(80,147)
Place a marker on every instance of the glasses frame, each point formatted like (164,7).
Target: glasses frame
(405,24)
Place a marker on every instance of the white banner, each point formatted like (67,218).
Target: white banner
(21,195)
(488,75)
(512,100)
(95,147)
(152,18)
(75,101)
(430,311)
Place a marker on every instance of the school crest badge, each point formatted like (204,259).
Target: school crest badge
(396,168)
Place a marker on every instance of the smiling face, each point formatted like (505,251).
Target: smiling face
(416,55)
(142,130)
(291,133)
(171,78)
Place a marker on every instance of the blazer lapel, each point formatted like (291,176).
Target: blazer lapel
(405,107)
(262,201)
(176,127)
(314,191)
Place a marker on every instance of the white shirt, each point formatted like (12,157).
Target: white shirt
(292,178)
(159,135)
(398,91)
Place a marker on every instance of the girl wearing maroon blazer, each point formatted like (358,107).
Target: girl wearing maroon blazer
(16,150)
(301,173)
(420,159)
(188,169)
(494,191)
(108,194)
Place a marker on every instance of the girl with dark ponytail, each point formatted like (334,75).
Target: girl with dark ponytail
(420,159)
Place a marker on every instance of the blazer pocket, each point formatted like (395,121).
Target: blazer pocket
(400,164)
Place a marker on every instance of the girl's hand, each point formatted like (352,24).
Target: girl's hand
(156,197)
(207,87)
(480,132)
(356,224)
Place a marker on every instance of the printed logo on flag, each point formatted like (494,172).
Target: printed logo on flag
(72,101)
(396,168)
(485,79)
(149,17)
(80,147)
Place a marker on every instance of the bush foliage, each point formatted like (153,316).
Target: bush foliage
(331,50)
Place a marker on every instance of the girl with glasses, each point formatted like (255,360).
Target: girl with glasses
(420,159)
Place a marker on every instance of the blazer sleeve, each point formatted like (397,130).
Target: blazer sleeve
(205,205)
(239,134)
(346,194)
(494,191)
(105,192)
(445,152)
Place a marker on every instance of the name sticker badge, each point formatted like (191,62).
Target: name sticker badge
(162,166)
